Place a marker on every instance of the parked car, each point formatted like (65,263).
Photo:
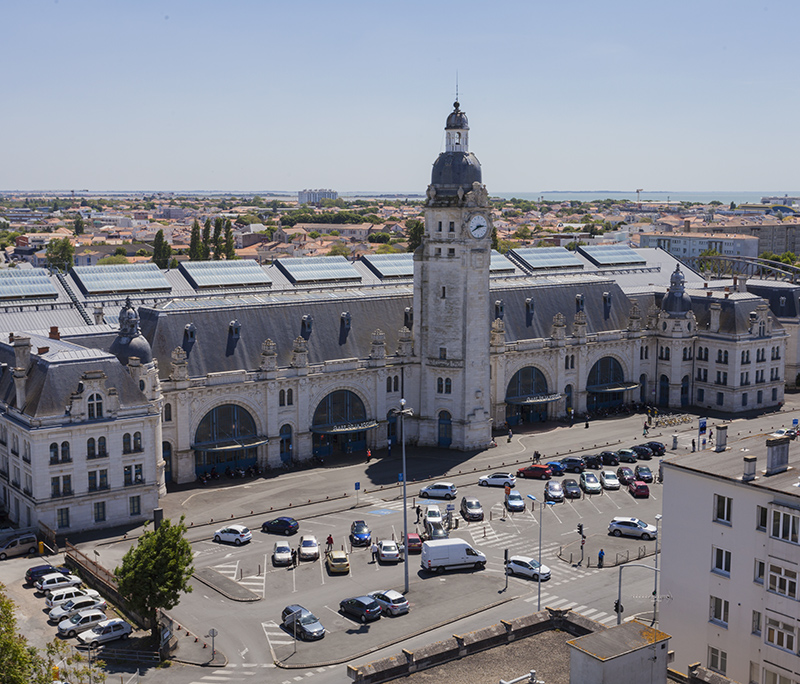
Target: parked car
(590,484)
(448,554)
(80,622)
(471,508)
(642,452)
(337,561)
(413,543)
(34,573)
(556,467)
(609,458)
(360,534)
(514,502)
(19,545)
(536,471)
(625,475)
(59,596)
(391,602)
(76,605)
(56,581)
(433,513)
(571,489)
(609,480)
(233,534)
(364,608)
(300,621)
(439,490)
(593,461)
(282,525)
(639,489)
(792,433)
(658,448)
(309,548)
(626,456)
(643,473)
(573,464)
(553,491)
(281,553)
(498,480)
(105,631)
(632,527)
(435,530)
(780,432)
(388,551)
(524,566)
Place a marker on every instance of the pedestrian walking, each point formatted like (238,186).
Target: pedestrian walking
(710,435)
(586,425)
(694,446)
(330,542)
(369,455)
(536,456)
(510,435)
(374,550)
(600,557)
(294,558)
(419,513)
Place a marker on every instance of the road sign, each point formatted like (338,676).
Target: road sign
(358,486)
(583,541)
(400,477)
(451,507)
(702,429)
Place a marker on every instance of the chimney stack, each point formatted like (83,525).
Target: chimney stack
(54,334)
(777,455)
(98,315)
(749,469)
(716,309)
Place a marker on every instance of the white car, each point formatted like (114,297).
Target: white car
(281,553)
(59,596)
(309,548)
(632,527)
(439,490)
(56,580)
(498,480)
(233,534)
(391,602)
(433,513)
(388,551)
(76,605)
(107,630)
(524,566)
(80,622)
(609,479)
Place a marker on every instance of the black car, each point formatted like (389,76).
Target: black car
(571,489)
(573,464)
(643,473)
(282,525)
(303,622)
(642,452)
(364,608)
(38,571)
(625,475)
(658,448)
(609,458)
(626,456)
(593,461)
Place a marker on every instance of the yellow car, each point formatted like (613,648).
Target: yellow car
(337,561)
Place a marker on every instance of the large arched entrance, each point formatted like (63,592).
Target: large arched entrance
(340,425)
(606,385)
(226,438)
(445,436)
(643,398)
(527,397)
(685,391)
(663,391)
(286,443)
(166,452)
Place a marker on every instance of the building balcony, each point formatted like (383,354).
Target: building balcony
(61,494)
(56,461)
(93,457)
(99,488)
(130,482)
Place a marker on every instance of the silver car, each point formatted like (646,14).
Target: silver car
(609,479)
(439,490)
(391,602)
(632,527)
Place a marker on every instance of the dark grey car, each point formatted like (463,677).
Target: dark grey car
(303,621)
(471,508)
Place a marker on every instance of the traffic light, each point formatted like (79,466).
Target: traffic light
(618,607)
(505,556)
(580,529)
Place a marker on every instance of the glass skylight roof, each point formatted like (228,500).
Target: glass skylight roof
(318,270)
(237,273)
(390,265)
(611,255)
(120,278)
(542,258)
(16,283)
(499,264)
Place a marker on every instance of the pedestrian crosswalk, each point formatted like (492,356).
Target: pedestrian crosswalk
(275,634)
(552,601)
(230,570)
(245,672)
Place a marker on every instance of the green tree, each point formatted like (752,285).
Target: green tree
(112,260)
(162,250)
(523,233)
(230,243)
(195,246)
(120,251)
(414,229)
(733,206)
(60,254)
(207,240)
(18,662)
(219,226)
(496,241)
(339,250)
(156,571)
(379,237)
(78,225)
(173,263)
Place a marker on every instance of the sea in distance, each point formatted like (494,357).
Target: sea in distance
(726,197)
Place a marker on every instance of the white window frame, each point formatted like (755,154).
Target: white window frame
(782,581)
(762,512)
(720,561)
(785,526)
(780,635)
(718,611)
(717,660)
(759,570)
(727,507)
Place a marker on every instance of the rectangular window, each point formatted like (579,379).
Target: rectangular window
(439,227)
(451,252)
(760,396)
(722,508)
(744,399)
(780,634)
(721,561)
(756,626)
(718,611)
(769,677)
(785,526)
(66,485)
(92,480)
(62,518)
(135,505)
(760,569)
(138,478)
(774,394)
(761,518)
(720,399)
(452,227)
(701,395)
(99,511)
(444,292)
(55,487)
(717,660)
(127,473)
(782,581)
(102,480)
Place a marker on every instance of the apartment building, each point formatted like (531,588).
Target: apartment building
(687,245)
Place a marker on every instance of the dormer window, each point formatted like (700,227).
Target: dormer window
(306,324)
(234,329)
(345,320)
(190,332)
(408,317)
(499,309)
(578,303)
(94,407)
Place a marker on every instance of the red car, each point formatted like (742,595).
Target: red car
(540,472)
(414,544)
(637,488)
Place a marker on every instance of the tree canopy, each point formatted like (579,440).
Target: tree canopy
(162,250)
(112,259)
(195,246)
(156,571)
(414,229)
(60,254)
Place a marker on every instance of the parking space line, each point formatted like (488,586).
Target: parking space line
(321,570)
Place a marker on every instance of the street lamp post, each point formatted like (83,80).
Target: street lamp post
(403,412)
(541,516)
(655,589)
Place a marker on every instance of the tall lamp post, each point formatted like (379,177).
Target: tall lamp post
(541,511)
(655,589)
(403,412)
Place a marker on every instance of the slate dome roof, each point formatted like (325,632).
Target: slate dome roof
(677,302)
(457,118)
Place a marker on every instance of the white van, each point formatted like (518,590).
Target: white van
(20,545)
(443,554)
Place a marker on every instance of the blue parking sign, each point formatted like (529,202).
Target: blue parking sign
(358,486)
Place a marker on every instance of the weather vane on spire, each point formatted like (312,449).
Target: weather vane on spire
(456,87)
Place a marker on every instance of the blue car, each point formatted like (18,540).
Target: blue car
(557,467)
(360,534)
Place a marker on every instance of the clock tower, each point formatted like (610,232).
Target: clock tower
(451,298)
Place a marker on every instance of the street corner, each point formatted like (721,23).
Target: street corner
(615,550)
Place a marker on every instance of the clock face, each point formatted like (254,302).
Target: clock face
(478,225)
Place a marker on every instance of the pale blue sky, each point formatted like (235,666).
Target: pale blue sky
(279,95)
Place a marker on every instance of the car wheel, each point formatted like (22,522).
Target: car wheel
(31,550)
(544,476)
(287,533)
(3,556)
(536,577)
(424,495)
(71,633)
(364,619)
(483,483)
(237,542)
(124,636)
(94,644)
(449,497)
(217,539)
(646,536)
(617,533)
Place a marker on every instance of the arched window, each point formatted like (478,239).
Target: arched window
(339,408)
(126,443)
(572,361)
(396,383)
(448,386)
(137,441)
(666,353)
(101,447)
(95,407)
(282,398)
(445,429)
(725,357)
(91,449)
(389,384)
(286,442)
(289,397)
(439,385)
(643,398)
(566,362)
(65,451)
(167,413)
(568,398)
(685,353)
(54,453)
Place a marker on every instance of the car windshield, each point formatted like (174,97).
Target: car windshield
(244,530)
(372,604)
(68,605)
(514,496)
(555,486)
(473,504)
(641,523)
(644,470)
(76,618)
(389,546)
(308,619)
(590,477)
(398,599)
(309,542)
(360,528)
(283,549)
